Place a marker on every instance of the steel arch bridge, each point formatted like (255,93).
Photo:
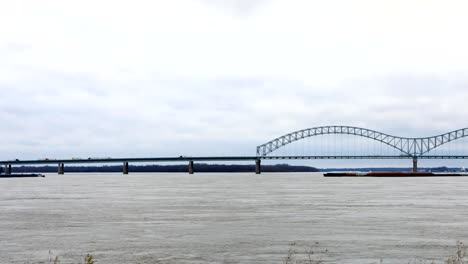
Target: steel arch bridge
(414,147)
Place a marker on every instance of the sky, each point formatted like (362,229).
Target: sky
(209,77)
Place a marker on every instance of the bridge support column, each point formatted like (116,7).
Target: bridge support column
(415,164)
(125,168)
(258,166)
(61,168)
(190,167)
(7,169)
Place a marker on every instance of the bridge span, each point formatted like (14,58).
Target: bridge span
(191,160)
(407,148)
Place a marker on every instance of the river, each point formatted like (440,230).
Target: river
(230,218)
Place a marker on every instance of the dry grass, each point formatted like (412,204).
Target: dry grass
(88,259)
(298,254)
(304,254)
(460,255)
(311,254)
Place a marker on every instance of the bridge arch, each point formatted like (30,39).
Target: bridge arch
(407,146)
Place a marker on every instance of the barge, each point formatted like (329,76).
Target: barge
(23,175)
(392,174)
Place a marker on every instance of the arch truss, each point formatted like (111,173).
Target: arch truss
(407,146)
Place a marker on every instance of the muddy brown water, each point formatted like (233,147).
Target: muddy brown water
(229,218)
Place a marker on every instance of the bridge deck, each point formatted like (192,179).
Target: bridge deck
(213,158)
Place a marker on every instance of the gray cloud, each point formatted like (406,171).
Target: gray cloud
(209,116)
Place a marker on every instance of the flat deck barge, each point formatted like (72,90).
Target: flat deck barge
(23,175)
(393,174)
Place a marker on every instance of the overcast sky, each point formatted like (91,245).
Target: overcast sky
(198,77)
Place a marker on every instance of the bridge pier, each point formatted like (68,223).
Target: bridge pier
(415,164)
(7,169)
(61,168)
(258,167)
(190,167)
(125,168)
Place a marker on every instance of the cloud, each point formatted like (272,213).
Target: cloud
(238,7)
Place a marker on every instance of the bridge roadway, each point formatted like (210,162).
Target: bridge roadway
(125,161)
